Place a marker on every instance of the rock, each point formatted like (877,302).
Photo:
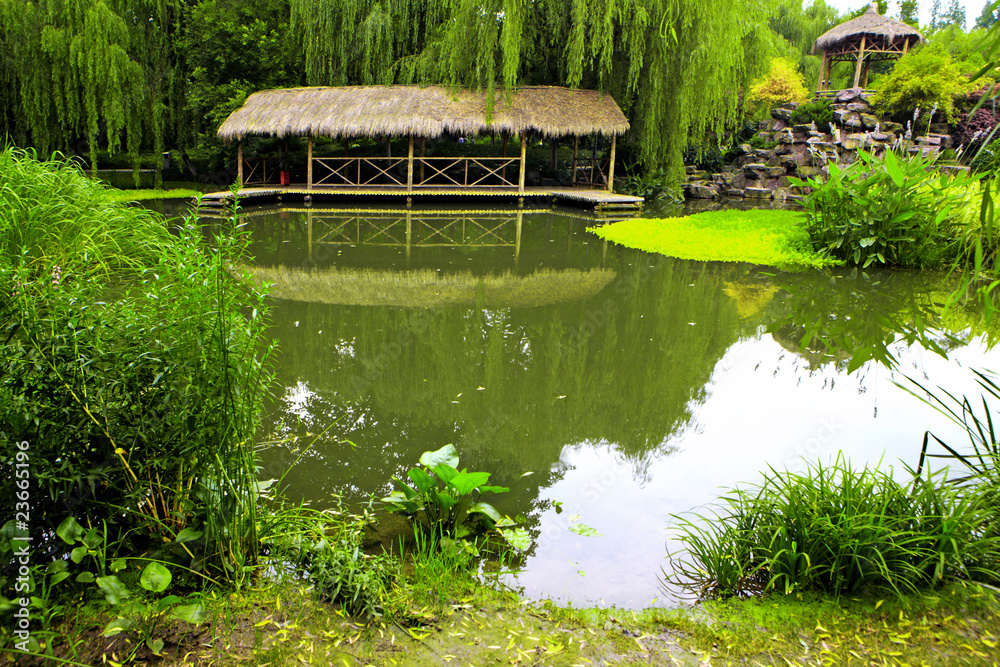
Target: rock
(881,136)
(689,169)
(739,181)
(779,125)
(746,149)
(757,193)
(734,192)
(807,171)
(698,191)
(698,175)
(781,194)
(780,113)
(857,106)
(793,162)
(868,121)
(849,94)
(776,171)
(803,128)
(939,128)
(889,126)
(763,154)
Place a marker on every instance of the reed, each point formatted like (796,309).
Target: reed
(838,530)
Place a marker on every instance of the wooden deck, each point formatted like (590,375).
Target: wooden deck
(597,200)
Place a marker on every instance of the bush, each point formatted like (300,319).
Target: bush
(888,210)
(782,84)
(841,531)
(129,363)
(921,79)
(817,111)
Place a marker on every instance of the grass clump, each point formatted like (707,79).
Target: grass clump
(840,531)
(773,238)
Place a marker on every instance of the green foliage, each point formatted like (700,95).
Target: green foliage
(775,238)
(650,185)
(888,210)
(780,85)
(838,530)
(644,54)
(815,111)
(444,500)
(921,79)
(129,361)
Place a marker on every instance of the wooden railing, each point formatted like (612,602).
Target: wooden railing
(415,228)
(591,171)
(260,171)
(464,172)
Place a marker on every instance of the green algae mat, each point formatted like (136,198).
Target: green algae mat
(772,238)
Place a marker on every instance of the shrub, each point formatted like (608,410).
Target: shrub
(129,363)
(840,531)
(888,210)
(817,111)
(780,85)
(977,128)
(921,79)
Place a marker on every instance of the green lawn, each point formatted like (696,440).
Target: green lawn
(774,238)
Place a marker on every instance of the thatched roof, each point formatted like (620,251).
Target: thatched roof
(425,288)
(429,111)
(872,24)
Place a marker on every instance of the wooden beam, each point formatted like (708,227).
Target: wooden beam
(423,145)
(861,59)
(611,165)
(576,147)
(239,162)
(524,153)
(822,71)
(409,167)
(309,164)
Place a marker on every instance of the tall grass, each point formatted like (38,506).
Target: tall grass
(838,530)
(130,361)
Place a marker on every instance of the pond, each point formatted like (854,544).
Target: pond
(606,387)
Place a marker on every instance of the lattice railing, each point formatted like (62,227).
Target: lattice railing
(464,172)
(422,230)
(592,171)
(260,171)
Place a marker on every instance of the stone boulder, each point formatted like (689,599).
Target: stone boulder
(702,191)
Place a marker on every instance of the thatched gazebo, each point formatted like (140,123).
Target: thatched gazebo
(424,112)
(867,39)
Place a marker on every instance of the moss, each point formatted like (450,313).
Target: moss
(774,238)
(141,195)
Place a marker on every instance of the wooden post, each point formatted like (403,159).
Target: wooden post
(503,172)
(239,162)
(309,164)
(861,59)
(906,44)
(576,147)
(423,144)
(409,167)
(821,86)
(611,165)
(524,153)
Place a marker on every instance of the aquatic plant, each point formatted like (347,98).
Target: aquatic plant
(444,500)
(838,530)
(775,238)
(891,210)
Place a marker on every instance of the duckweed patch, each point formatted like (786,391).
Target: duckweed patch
(772,238)
(122,196)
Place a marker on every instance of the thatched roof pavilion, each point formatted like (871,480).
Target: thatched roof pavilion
(869,38)
(429,111)
(425,112)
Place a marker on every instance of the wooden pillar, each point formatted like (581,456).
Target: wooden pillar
(611,165)
(517,241)
(861,60)
(576,147)
(423,145)
(309,164)
(409,167)
(524,153)
(239,162)
(823,65)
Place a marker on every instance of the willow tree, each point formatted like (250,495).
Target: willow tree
(675,66)
(85,68)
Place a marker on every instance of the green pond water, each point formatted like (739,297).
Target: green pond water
(628,387)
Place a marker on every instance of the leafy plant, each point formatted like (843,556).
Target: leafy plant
(651,185)
(888,210)
(921,79)
(816,111)
(445,500)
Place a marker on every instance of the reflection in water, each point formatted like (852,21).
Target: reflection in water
(629,386)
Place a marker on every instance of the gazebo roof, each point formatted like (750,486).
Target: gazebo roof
(871,24)
(423,111)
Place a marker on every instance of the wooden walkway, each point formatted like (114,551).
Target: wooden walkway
(597,200)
